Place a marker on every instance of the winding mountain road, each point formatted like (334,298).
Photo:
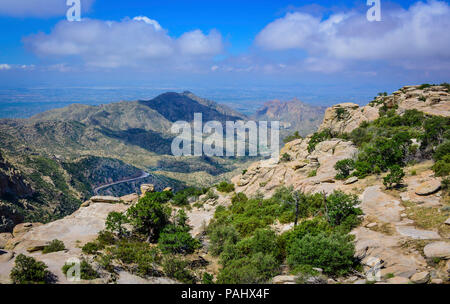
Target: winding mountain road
(143,175)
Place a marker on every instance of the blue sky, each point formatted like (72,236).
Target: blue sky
(319,51)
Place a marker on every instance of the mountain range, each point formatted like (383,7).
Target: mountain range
(294,115)
(54,160)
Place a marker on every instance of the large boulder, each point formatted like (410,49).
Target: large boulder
(398,280)
(147,188)
(345,117)
(428,187)
(23,228)
(130,198)
(284,279)
(6,256)
(421,277)
(437,250)
(105,199)
(4,238)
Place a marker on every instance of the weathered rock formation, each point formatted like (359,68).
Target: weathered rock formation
(345,117)
(310,172)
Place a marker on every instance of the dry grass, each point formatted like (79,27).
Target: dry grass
(385,228)
(428,217)
(415,244)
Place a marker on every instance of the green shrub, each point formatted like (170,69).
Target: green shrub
(114,223)
(257,269)
(92,248)
(319,137)
(395,177)
(263,241)
(344,167)
(138,253)
(149,216)
(333,253)
(225,187)
(211,195)
(442,167)
(106,238)
(341,113)
(219,236)
(239,198)
(441,151)
(445,185)
(312,173)
(29,271)
(106,262)
(363,168)
(207,279)
(292,137)
(340,206)
(285,158)
(435,131)
(424,86)
(413,118)
(176,268)
(313,227)
(86,270)
(176,239)
(181,198)
(54,246)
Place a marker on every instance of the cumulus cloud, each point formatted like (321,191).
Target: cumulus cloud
(196,43)
(410,38)
(147,20)
(5,66)
(38,8)
(131,42)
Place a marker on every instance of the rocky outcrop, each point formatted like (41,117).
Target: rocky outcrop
(74,230)
(105,199)
(130,198)
(437,250)
(433,100)
(309,171)
(429,187)
(202,213)
(4,238)
(421,277)
(285,279)
(147,188)
(345,117)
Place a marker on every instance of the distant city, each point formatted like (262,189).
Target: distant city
(26,102)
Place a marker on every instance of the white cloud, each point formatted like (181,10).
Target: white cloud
(5,66)
(147,20)
(196,43)
(408,38)
(38,8)
(131,42)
